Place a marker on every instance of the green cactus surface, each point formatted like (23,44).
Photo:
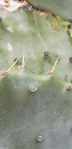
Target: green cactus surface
(60,7)
(35,81)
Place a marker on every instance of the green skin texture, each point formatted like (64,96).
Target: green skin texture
(60,7)
(47,112)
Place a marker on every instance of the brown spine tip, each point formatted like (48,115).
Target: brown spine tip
(19,62)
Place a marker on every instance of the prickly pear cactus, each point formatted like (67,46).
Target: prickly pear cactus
(35,81)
